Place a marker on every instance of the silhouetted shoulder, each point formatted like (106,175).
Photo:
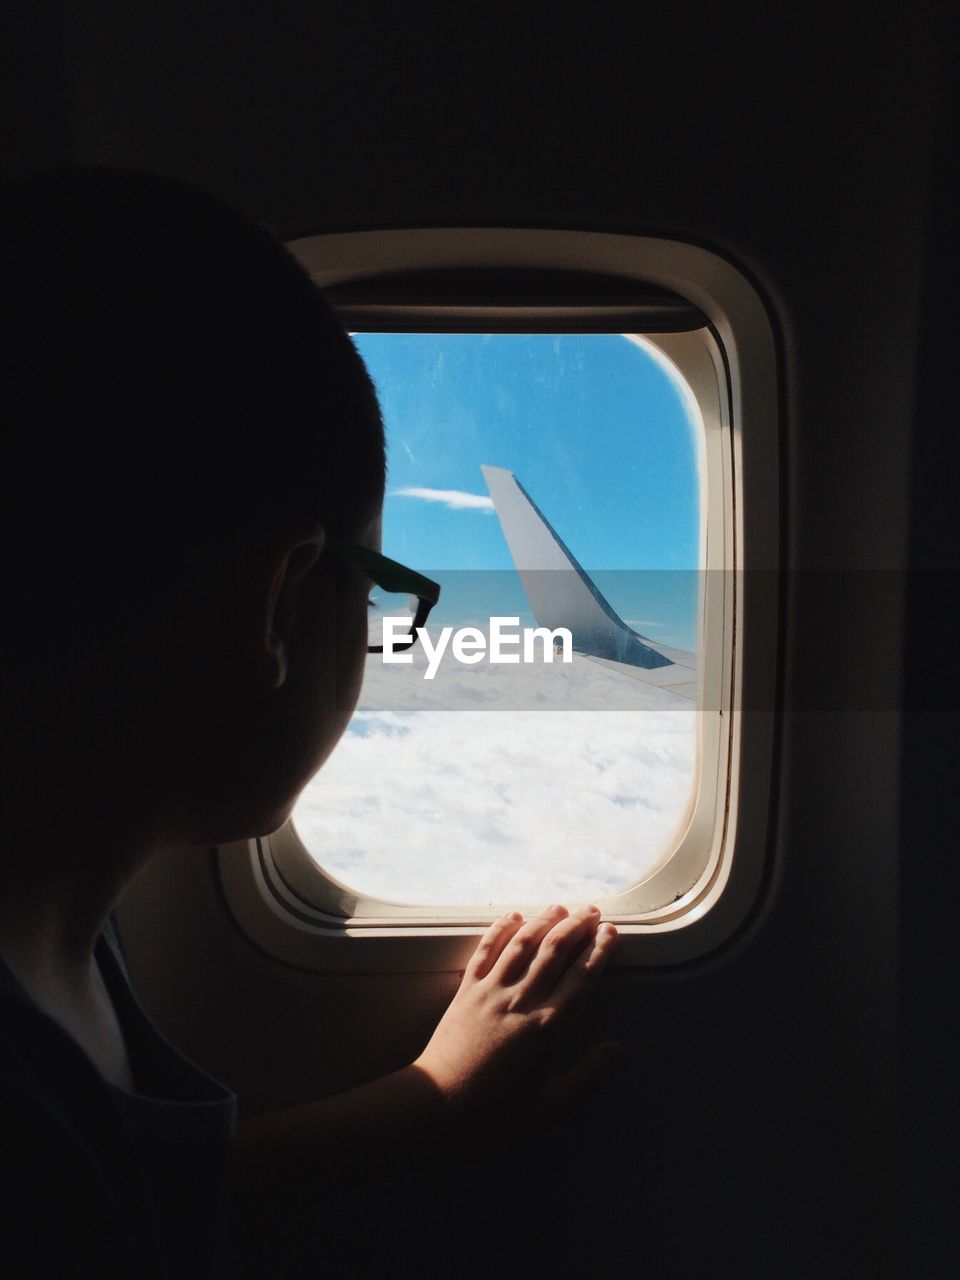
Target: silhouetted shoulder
(100,1181)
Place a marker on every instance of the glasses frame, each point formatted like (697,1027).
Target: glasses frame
(390,575)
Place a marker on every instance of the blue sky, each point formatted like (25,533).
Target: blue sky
(591,425)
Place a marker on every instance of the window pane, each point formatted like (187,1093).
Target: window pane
(555,481)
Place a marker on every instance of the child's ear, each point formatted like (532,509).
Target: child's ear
(288,562)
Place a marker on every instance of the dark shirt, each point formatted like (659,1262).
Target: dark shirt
(95,1180)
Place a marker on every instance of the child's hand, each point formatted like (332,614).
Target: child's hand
(522,986)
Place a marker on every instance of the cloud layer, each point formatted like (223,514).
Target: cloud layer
(503,808)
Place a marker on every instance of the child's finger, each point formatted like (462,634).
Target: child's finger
(578,980)
(491,945)
(516,956)
(557,949)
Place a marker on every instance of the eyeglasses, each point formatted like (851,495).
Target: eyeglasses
(395,589)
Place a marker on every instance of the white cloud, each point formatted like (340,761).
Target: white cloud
(504,807)
(556,687)
(455,499)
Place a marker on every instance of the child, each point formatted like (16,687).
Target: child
(188,431)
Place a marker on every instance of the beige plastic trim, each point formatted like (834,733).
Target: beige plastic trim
(703,891)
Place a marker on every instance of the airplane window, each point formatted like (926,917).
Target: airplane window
(540,740)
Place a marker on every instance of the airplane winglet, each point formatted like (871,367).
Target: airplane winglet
(572,599)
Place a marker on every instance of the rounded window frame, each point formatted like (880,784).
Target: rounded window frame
(702,894)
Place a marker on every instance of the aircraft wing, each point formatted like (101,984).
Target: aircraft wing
(571,598)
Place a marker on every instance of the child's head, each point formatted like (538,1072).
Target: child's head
(184,418)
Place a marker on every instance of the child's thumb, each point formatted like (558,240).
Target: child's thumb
(584,1073)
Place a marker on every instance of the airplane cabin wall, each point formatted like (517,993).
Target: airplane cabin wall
(751,1131)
